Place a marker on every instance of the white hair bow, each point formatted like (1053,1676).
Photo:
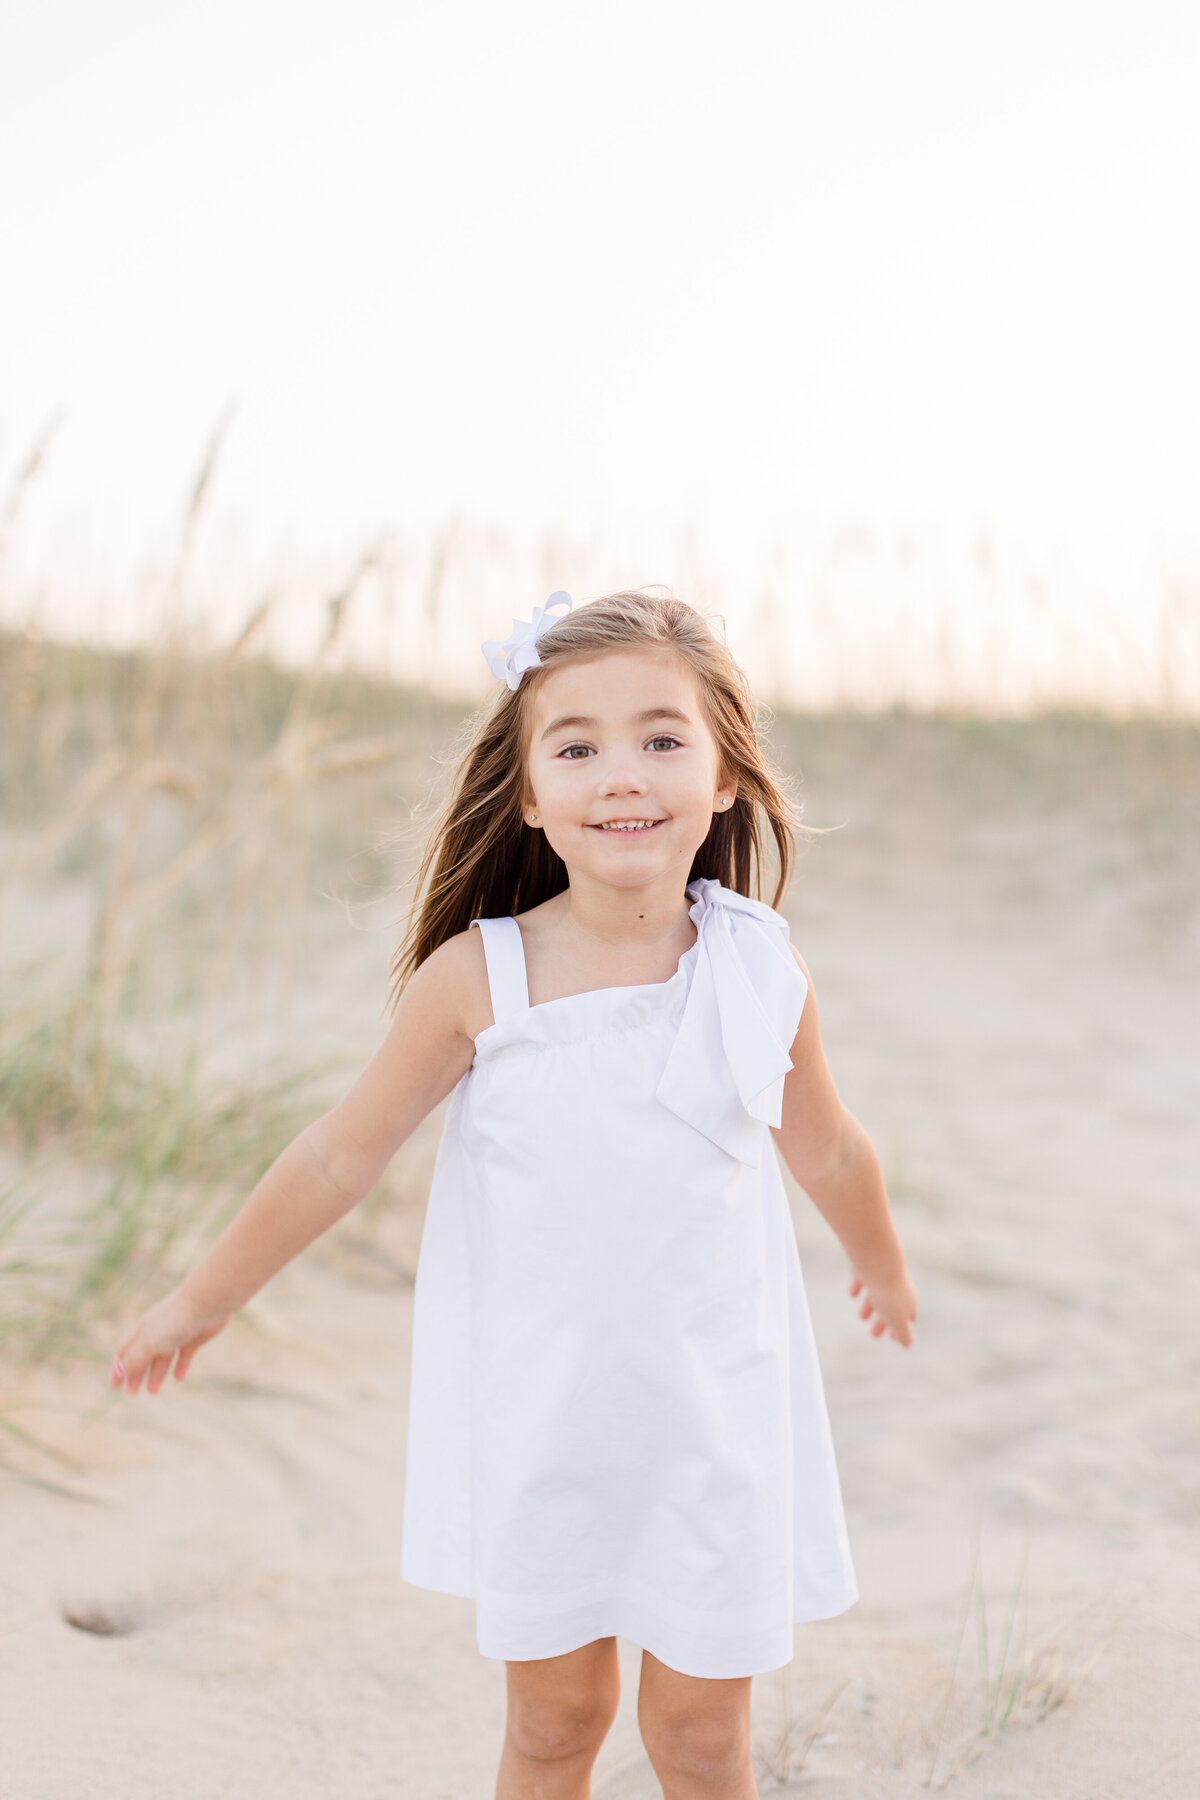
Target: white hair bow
(509,660)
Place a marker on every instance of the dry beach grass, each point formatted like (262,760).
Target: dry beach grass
(199,902)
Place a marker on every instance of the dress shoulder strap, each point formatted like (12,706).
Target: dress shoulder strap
(505,957)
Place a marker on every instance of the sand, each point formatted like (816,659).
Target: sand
(201,1594)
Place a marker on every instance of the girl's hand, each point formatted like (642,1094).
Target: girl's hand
(174,1324)
(893,1302)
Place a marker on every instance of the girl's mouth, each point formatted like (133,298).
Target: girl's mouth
(629,826)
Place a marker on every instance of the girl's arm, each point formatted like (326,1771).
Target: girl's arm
(835,1163)
(324,1172)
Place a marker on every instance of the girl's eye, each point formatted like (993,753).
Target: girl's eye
(664,740)
(570,752)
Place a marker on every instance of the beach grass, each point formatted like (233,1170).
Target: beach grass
(167,825)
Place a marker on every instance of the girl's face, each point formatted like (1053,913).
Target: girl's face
(623,774)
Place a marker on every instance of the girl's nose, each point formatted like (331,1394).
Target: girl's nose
(621,778)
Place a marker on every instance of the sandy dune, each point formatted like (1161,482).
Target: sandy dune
(1009,995)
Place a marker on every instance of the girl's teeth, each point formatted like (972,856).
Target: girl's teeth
(644,825)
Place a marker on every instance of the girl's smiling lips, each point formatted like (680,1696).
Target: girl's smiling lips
(629,826)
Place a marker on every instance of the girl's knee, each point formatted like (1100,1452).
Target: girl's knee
(703,1744)
(565,1720)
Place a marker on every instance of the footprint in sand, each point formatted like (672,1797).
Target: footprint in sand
(102,1618)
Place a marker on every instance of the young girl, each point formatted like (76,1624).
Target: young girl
(617,1422)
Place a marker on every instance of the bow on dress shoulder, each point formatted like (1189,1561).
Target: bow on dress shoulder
(726,1069)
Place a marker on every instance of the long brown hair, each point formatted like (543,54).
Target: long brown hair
(483,861)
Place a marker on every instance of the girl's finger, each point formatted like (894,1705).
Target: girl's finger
(158,1372)
(122,1358)
(878,1328)
(130,1359)
(864,1311)
(185,1361)
(855,1286)
(116,1373)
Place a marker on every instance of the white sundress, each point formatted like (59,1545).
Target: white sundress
(617,1424)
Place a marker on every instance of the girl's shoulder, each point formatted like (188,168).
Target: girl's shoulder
(454,977)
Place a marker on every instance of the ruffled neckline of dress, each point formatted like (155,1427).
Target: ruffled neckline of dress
(736,998)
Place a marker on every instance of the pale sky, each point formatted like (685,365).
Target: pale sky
(924,259)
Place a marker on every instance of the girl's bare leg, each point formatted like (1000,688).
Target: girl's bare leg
(559,1712)
(696,1733)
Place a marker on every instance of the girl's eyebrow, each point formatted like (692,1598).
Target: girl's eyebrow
(576,721)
